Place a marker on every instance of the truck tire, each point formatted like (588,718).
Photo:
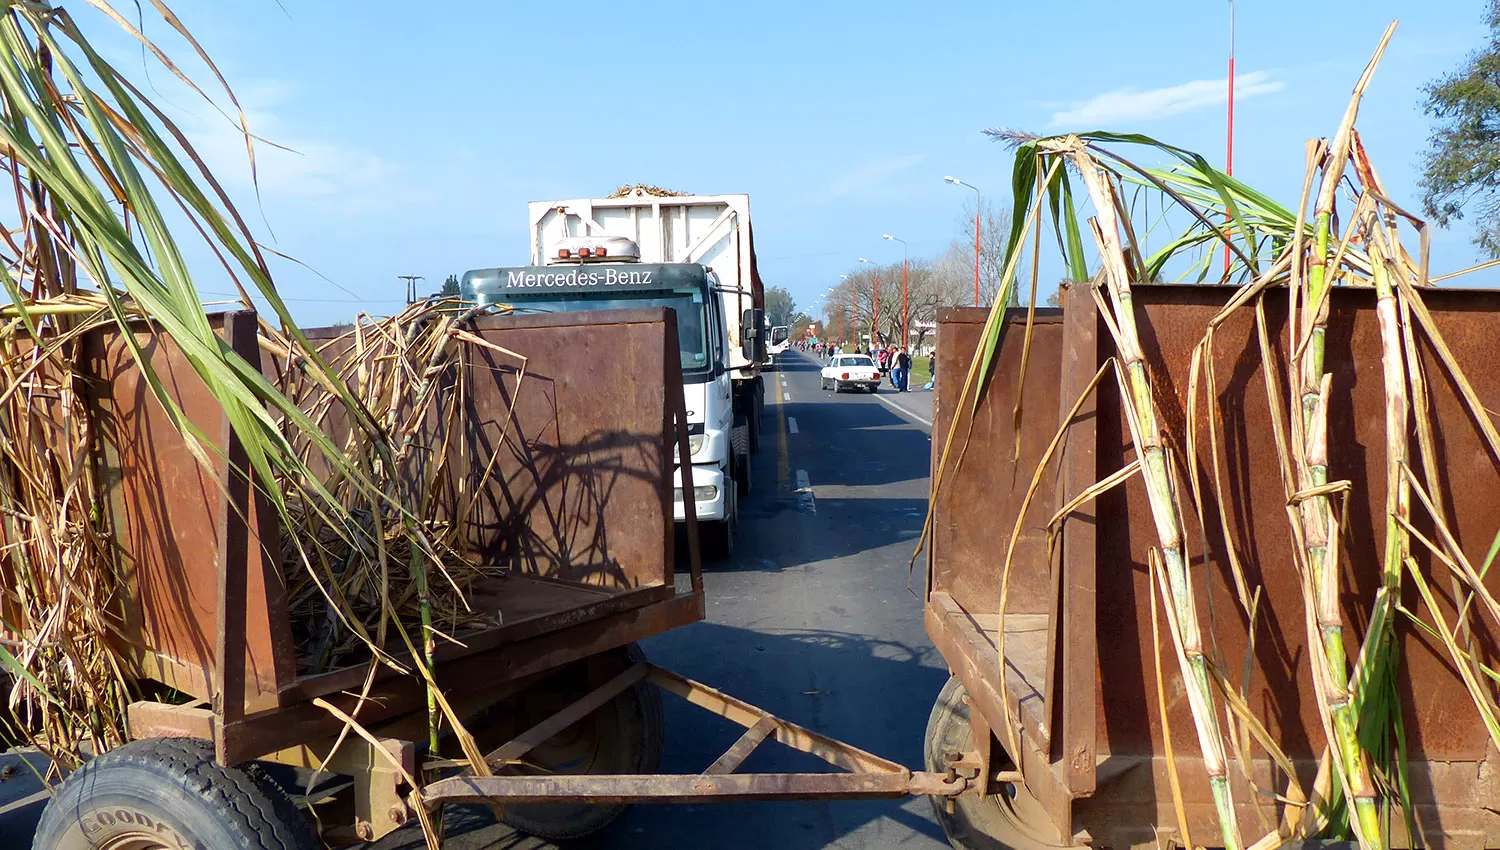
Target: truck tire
(166,793)
(1010,820)
(624,736)
(740,441)
(760,413)
(718,536)
(754,424)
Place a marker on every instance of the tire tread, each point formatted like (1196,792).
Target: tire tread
(251,805)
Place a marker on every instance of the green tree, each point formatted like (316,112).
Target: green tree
(1461,169)
(450,286)
(780,306)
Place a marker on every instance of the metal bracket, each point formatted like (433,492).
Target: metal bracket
(868,776)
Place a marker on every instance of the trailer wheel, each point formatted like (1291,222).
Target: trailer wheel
(625,736)
(1011,819)
(167,793)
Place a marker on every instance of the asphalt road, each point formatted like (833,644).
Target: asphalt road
(812,618)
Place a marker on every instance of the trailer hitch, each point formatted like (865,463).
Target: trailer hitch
(867,776)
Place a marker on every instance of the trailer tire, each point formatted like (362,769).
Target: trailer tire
(1010,820)
(169,793)
(630,732)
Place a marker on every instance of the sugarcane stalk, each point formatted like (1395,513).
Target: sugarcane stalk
(1320,530)
(1140,408)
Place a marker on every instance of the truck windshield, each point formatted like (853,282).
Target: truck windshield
(692,320)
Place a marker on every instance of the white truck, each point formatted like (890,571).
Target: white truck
(692,253)
(781,339)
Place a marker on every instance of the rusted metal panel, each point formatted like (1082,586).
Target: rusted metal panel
(460,676)
(1441,721)
(1078,470)
(581,514)
(168,518)
(1448,744)
(985,493)
(583,486)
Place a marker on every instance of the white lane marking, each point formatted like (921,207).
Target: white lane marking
(788,396)
(894,406)
(806,502)
(791,424)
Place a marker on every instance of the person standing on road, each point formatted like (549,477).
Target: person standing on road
(902,370)
(931,369)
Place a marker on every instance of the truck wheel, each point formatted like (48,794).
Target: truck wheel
(625,736)
(740,441)
(167,793)
(1010,820)
(754,423)
(718,537)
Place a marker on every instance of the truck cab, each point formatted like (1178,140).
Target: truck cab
(604,273)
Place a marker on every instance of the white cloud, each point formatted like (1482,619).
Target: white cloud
(1113,109)
(304,169)
(871,175)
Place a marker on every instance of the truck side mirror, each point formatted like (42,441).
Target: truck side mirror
(752,335)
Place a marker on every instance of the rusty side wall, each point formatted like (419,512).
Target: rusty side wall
(580,466)
(975,508)
(1451,775)
(1452,764)
(1440,718)
(167,517)
(582,484)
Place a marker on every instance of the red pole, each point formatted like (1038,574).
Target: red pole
(1229,142)
(875,322)
(976,258)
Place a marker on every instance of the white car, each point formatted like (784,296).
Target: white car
(851,370)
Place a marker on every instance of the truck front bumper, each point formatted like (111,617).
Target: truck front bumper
(708,489)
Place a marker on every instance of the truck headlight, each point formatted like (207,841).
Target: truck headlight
(695,445)
(706,493)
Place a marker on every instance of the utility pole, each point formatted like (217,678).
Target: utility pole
(411,286)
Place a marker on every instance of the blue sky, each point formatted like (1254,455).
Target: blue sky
(422,130)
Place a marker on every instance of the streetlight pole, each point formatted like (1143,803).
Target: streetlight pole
(905,314)
(875,321)
(978,208)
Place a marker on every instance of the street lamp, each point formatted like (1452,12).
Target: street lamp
(905,331)
(875,321)
(978,208)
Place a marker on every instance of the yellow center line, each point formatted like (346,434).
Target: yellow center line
(782,462)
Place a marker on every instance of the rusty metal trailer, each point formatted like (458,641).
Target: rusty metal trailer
(1067,735)
(579,529)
